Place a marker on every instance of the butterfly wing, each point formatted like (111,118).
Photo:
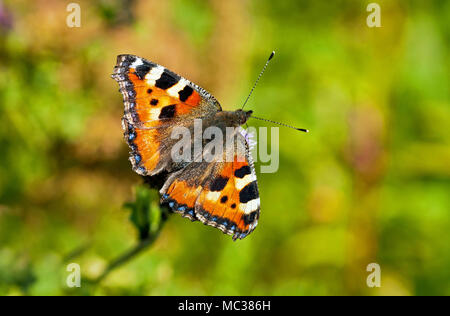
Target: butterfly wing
(156,99)
(223,194)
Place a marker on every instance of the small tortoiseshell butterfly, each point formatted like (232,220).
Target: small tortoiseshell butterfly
(223,194)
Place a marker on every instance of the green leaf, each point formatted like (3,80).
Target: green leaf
(145,211)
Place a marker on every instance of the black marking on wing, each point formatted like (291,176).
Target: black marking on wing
(219,183)
(167,112)
(249,218)
(143,69)
(167,80)
(249,192)
(185,93)
(242,171)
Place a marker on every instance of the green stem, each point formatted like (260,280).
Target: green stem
(127,256)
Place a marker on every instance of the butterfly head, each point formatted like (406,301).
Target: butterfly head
(241,116)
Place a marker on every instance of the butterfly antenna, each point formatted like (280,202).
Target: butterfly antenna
(260,74)
(282,124)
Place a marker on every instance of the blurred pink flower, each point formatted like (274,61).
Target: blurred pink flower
(6,20)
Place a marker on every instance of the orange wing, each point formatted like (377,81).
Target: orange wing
(155,99)
(219,194)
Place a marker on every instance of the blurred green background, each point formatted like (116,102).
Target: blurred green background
(369,183)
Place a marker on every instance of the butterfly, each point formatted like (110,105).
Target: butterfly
(221,193)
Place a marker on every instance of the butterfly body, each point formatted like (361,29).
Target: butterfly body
(221,192)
